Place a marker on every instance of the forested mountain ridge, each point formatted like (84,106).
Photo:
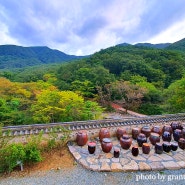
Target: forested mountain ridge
(12,56)
(179,45)
(139,78)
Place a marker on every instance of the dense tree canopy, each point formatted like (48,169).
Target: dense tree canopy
(147,80)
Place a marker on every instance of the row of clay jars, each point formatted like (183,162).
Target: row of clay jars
(145,149)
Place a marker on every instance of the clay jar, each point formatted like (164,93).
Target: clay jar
(106,145)
(181,143)
(81,138)
(146,130)
(141,138)
(125,141)
(167,128)
(154,138)
(116,152)
(146,148)
(166,136)
(120,132)
(176,125)
(135,132)
(104,133)
(158,148)
(166,147)
(91,147)
(174,146)
(177,134)
(135,151)
(157,129)
(183,133)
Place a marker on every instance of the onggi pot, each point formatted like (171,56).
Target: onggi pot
(91,147)
(81,138)
(106,145)
(135,151)
(177,134)
(146,130)
(104,133)
(146,148)
(125,141)
(166,136)
(154,138)
(166,146)
(176,125)
(120,132)
(141,138)
(167,128)
(158,148)
(174,146)
(135,132)
(181,143)
(157,129)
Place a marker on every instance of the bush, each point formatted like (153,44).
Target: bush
(10,155)
(33,153)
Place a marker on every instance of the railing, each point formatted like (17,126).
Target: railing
(86,125)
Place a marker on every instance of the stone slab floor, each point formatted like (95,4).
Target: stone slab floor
(100,161)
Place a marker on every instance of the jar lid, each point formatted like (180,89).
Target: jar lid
(141,135)
(154,134)
(125,136)
(182,139)
(91,143)
(106,140)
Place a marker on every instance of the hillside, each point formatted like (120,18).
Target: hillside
(12,56)
(157,46)
(179,45)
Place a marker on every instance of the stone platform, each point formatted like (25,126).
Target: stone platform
(100,161)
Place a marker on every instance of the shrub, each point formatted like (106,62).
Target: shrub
(10,155)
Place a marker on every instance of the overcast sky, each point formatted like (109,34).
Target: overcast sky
(83,27)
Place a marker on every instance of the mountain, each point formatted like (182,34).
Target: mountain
(179,45)
(157,46)
(12,56)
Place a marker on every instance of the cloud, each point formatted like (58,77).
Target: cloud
(174,33)
(85,26)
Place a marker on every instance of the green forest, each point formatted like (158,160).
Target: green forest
(144,79)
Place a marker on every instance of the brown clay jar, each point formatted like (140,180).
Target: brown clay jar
(146,148)
(183,133)
(135,151)
(166,147)
(104,133)
(141,138)
(81,138)
(125,141)
(154,138)
(106,145)
(91,147)
(181,143)
(146,130)
(157,129)
(176,125)
(158,148)
(166,136)
(177,134)
(135,132)
(116,152)
(167,128)
(120,132)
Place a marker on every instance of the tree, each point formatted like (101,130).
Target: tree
(124,93)
(175,96)
(56,106)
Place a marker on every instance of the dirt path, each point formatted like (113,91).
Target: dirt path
(119,108)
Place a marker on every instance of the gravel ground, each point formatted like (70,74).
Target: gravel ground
(81,176)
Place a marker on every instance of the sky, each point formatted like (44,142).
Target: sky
(82,27)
